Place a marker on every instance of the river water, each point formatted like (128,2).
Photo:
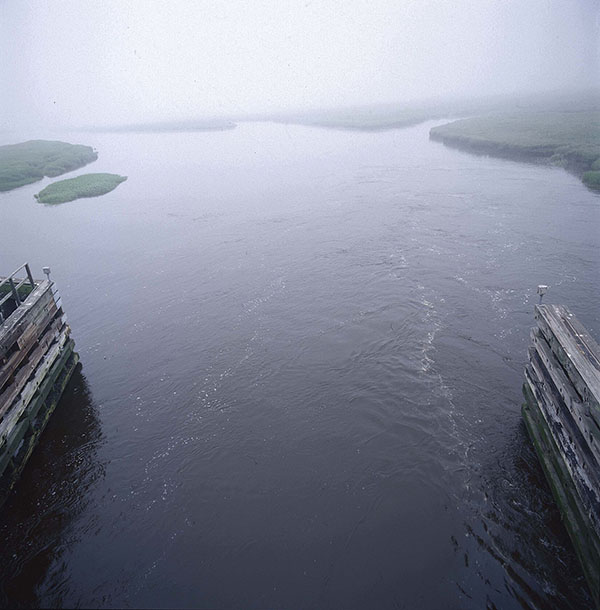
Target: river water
(302,355)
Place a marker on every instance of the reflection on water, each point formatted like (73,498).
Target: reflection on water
(519,529)
(37,519)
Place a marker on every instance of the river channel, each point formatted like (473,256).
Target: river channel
(302,355)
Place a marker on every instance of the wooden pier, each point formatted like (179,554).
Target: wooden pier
(562,414)
(36,362)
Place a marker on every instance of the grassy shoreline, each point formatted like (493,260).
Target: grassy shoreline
(371,118)
(87,185)
(393,115)
(30,161)
(566,139)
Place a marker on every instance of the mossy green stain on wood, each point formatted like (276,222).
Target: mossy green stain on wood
(87,185)
(28,162)
(35,421)
(24,291)
(585,541)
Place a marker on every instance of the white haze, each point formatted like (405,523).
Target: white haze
(81,62)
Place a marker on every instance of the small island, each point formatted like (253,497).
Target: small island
(28,162)
(87,185)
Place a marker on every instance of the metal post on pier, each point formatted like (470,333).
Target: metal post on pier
(14,291)
(28,271)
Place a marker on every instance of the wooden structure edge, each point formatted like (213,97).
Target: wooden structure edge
(37,359)
(562,414)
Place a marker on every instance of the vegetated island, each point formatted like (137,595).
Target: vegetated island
(86,185)
(28,162)
(569,139)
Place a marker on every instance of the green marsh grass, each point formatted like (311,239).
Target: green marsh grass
(30,161)
(87,185)
(567,139)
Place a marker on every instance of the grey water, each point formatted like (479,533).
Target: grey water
(302,355)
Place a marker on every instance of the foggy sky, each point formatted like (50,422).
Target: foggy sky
(82,62)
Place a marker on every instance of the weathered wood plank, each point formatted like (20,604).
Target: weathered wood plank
(38,324)
(17,408)
(559,412)
(18,432)
(50,379)
(28,368)
(31,386)
(5,458)
(17,462)
(39,396)
(562,390)
(575,352)
(14,325)
(41,288)
(26,343)
(580,464)
(579,411)
(581,348)
(36,362)
(586,543)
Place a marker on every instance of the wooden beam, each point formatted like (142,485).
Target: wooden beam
(26,342)
(576,351)
(585,541)
(579,411)
(13,411)
(50,379)
(36,362)
(27,370)
(13,327)
(17,461)
(580,464)
(39,396)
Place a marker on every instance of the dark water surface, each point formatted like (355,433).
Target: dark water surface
(302,361)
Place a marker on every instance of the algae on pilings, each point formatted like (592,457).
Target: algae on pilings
(586,543)
(87,185)
(23,291)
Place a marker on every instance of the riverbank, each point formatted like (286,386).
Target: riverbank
(566,139)
(28,162)
(385,116)
(88,185)
(374,117)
